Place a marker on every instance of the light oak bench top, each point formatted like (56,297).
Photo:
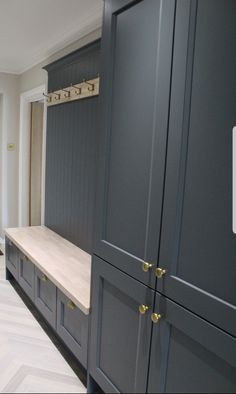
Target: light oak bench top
(66,265)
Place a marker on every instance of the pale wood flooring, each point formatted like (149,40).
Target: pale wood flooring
(29,361)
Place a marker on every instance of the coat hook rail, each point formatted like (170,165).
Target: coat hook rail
(81,90)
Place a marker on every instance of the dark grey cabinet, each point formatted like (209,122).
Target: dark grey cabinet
(135,83)
(45,297)
(165,198)
(12,263)
(120,330)
(188,354)
(72,327)
(26,275)
(198,247)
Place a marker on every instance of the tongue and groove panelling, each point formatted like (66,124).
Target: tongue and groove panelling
(72,151)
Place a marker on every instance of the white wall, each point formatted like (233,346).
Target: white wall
(9,129)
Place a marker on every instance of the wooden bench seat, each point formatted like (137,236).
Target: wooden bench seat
(66,265)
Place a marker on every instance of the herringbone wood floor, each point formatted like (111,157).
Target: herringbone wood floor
(29,361)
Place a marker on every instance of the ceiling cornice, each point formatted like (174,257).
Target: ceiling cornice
(90,24)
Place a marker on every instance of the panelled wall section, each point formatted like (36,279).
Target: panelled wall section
(72,150)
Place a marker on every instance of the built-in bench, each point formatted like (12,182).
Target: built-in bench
(56,276)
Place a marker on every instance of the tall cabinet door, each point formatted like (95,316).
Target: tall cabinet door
(198,246)
(188,354)
(135,83)
(120,330)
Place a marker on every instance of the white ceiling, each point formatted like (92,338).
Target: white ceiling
(32,30)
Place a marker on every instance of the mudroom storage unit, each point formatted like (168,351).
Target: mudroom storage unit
(163,272)
(52,263)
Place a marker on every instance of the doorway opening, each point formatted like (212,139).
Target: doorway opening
(32,157)
(35,178)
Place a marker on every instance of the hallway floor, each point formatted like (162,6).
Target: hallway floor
(29,361)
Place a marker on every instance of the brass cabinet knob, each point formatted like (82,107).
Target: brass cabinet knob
(155,317)
(44,278)
(25,259)
(71,305)
(146,266)
(143,309)
(160,272)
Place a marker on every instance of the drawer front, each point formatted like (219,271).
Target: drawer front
(72,327)
(12,263)
(26,275)
(45,297)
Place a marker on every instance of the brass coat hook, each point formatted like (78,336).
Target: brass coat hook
(91,89)
(49,98)
(77,89)
(67,95)
(58,96)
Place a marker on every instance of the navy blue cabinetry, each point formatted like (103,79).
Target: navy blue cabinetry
(120,330)
(134,114)
(26,275)
(12,259)
(198,246)
(72,327)
(45,297)
(164,206)
(188,354)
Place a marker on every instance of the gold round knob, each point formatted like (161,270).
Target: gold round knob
(155,317)
(146,266)
(160,272)
(143,309)
(71,305)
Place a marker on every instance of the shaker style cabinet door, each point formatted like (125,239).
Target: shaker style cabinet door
(26,275)
(12,260)
(120,330)
(188,354)
(135,83)
(198,246)
(46,297)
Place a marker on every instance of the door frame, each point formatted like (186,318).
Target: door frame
(3,160)
(26,99)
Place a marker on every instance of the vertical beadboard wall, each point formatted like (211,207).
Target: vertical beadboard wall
(72,151)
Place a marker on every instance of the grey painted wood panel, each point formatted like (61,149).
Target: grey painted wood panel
(71,171)
(26,275)
(72,327)
(188,354)
(198,247)
(71,158)
(46,297)
(120,335)
(134,111)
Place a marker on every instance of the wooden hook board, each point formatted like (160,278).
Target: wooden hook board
(79,91)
